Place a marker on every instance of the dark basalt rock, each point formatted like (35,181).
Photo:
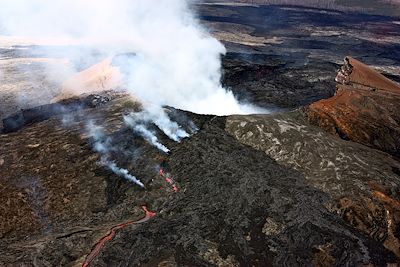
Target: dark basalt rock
(273,81)
(363,183)
(26,117)
(262,190)
(267,190)
(238,207)
(58,200)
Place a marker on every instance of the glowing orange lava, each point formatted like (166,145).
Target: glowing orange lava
(169,180)
(110,236)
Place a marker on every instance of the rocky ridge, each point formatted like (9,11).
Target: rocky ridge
(365,108)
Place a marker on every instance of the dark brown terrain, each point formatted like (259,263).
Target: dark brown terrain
(377,7)
(315,183)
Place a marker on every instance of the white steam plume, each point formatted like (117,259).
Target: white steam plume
(170,128)
(122,172)
(156,115)
(102,145)
(136,121)
(177,62)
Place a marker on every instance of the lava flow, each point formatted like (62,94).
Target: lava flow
(169,180)
(97,248)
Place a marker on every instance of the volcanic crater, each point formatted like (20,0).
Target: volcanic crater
(314,183)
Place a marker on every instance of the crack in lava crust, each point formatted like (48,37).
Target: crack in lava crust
(110,236)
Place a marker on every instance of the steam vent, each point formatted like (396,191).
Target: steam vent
(199,133)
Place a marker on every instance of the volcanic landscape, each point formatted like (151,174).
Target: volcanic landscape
(90,177)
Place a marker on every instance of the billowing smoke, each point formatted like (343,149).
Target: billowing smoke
(176,61)
(102,144)
(165,56)
(138,124)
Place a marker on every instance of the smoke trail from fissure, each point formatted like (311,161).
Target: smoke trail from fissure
(102,145)
(140,128)
(164,55)
(158,116)
(170,128)
(121,172)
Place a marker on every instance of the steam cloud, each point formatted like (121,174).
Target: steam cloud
(176,61)
(166,57)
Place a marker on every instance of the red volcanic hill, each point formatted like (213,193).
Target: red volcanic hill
(365,108)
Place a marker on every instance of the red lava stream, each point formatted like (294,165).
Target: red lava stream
(97,248)
(110,236)
(169,180)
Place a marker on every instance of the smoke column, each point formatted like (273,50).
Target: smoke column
(176,61)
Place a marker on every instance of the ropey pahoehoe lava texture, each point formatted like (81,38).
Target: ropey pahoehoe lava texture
(263,190)
(311,186)
(239,207)
(363,183)
(236,205)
